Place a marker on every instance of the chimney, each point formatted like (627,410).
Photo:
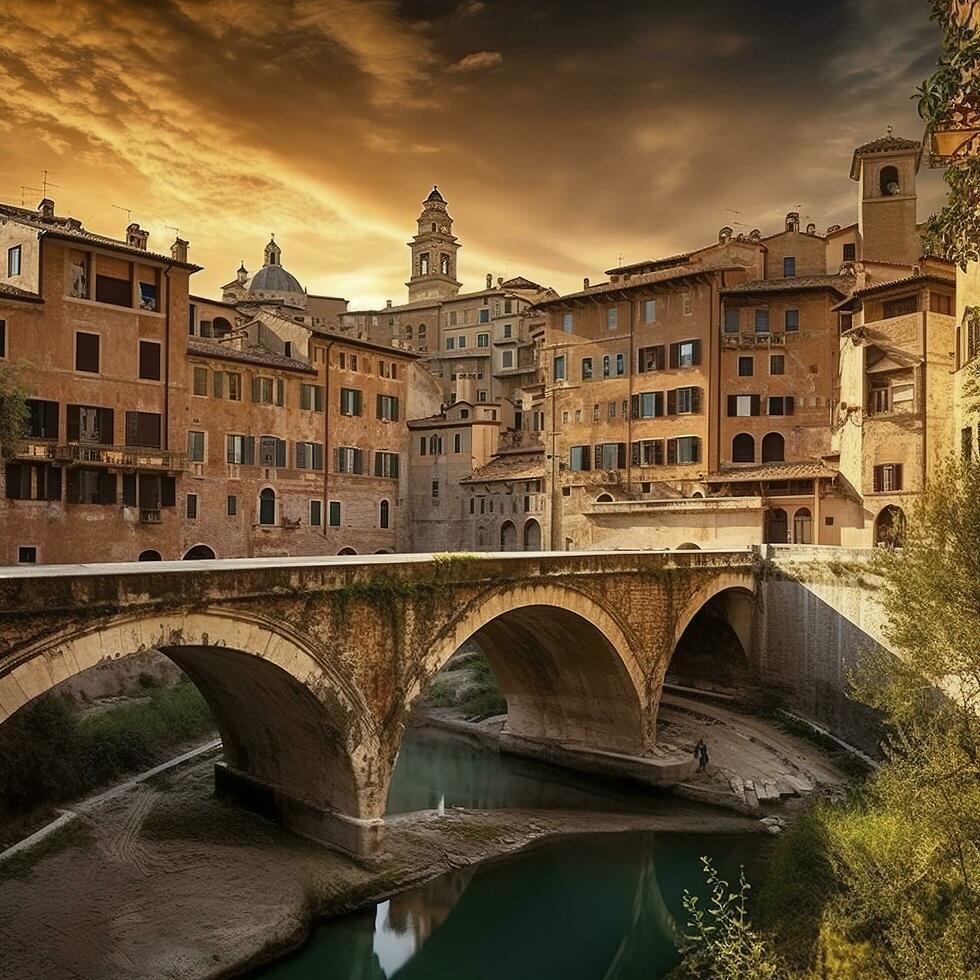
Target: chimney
(811,229)
(178,251)
(500,281)
(489,281)
(46,208)
(136,237)
(585,283)
(387,304)
(793,221)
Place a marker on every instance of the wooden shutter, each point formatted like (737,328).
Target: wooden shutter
(51,420)
(897,482)
(640,361)
(395,464)
(150,360)
(74,485)
(107,487)
(87,352)
(380,407)
(256,389)
(671,452)
(52,485)
(672,401)
(248,450)
(129,490)
(13,477)
(219,384)
(695,400)
(636,454)
(732,405)
(132,428)
(301,455)
(621,455)
(696,454)
(168,491)
(280,392)
(788,404)
(378,467)
(317,456)
(658,452)
(394,408)
(107,426)
(697,352)
(756,404)
(635,406)
(150,429)
(318,398)
(358,461)
(658,403)
(878,478)
(72,414)
(675,355)
(358,402)
(598,456)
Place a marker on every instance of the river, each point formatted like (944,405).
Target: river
(603,907)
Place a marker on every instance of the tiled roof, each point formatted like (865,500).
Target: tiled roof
(71,229)
(15,292)
(884,144)
(523,464)
(808,470)
(252,355)
(651,264)
(840,284)
(914,280)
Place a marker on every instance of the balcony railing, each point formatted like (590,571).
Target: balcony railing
(733,341)
(150,515)
(93,454)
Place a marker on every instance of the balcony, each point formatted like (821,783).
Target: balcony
(92,454)
(151,515)
(752,341)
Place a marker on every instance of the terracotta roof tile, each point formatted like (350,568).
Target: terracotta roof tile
(524,464)
(252,355)
(15,292)
(807,470)
(840,284)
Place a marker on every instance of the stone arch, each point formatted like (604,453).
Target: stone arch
(567,667)
(151,554)
(532,535)
(773,447)
(688,546)
(890,527)
(347,551)
(743,448)
(221,326)
(604,498)
(199,552)
(508,536)
(292,726)
(738,592)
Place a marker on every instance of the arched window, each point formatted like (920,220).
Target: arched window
(890,527)
(888,182)
(384,515)
(776,526)
(150,555)
(532,536)
(773,448)
(604,498)
(743,448)
(435,445)
(267,506)
(421,330)
(408,333)
(220,327)
(347,551)
(803,526)
(508,536)
(605,366)
(424,264)
(444,264)
(199,552)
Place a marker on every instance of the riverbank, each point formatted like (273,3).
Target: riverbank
(169,882)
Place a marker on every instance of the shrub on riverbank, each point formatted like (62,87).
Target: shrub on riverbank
(51,752)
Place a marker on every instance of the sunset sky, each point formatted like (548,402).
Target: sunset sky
(563,134)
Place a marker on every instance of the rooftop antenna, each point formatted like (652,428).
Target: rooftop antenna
(129,213)
(23,193)
(620,259)
(174,229)
(735,222)
(45,183)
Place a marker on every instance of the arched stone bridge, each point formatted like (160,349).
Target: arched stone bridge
(311,666)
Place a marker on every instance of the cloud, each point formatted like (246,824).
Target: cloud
(477,61)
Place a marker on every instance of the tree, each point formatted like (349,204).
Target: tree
(13,408)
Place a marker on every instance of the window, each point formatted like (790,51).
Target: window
(481,395)
(267,507)
(648,452)
(567,322)
(384,515)
(942,303)
(435,446)
(685,354)
(888,181)
(902,397)
(484,316)
(149,360)
(143,429)
(651,359)
(87,352)
(850,252)
(762,321)
(483,340)
(612,318)
(780,405)
(610,456)
(227,384)
(27,555)
(777,363)
(20,485)
(508,306)
(42,419)
(240,449)
(684,401)
(386,465)
(458,443)
(507,359)
(272,451)
(773,448)
(91,486)
(789,266)
(745,366)
(888,478)
(195,446)
(610,412)
(450,343)
(579,458)
(743,448)
(620,365)
(350,460)
(803,526)
(309,456)
(508,328)
(118,292)
(606,366)
(311,397)
(732,321)
(148,296)
(333,513)
(90,425)
(350,401)
(387,408)
(648,405)
(649,311)
(14,255)
(192,507)
(559,368)
(683,451)
(231,507)
(461,342)
(688,302)
(742,406)
(424,264)
(268,391)
(435,489)
(900,307)
(3,338)
(201,381)
(586,368)
(791,320)
(316,513)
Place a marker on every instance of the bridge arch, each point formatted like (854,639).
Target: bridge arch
(291,726)
(568,669)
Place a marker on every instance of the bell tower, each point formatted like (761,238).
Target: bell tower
(885,170)
(434,249)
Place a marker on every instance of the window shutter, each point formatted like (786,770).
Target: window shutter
(697,352)
(318,398)
(73,413)
(898,476)
(732,405)
(107,487)
(248,450)
(394,409)
(636,454)
(51,419)
(219,384)
(317,456)
(640,362)
(149,429)
(621,455)
(379,409)
(695,450)
(788,404)
(695,400)
(301,455)
(256,389)
(53,485)
(338,460)
(132,429)
(755,404)
(658,404)
(129,489)
(74,486)
(13,481)
(107,426)
(280,392)
(378,464)
(635,406)
(672,399)
(658,452)
(395,463)
(598,457)
(280,452)
(168,491)
(671,452)
(675,356)
(878,480)
(358,461)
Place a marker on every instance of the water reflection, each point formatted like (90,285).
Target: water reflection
(440,770)
(594,908)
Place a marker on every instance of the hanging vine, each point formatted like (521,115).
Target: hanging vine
(949,102)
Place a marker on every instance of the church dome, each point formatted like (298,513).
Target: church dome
(274,279)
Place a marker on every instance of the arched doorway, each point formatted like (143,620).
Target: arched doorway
(532,536)
(776,529)
(890,527)
(773,448)
(200,552)
(267,507)
(508,536)
(803,526)
(151,555)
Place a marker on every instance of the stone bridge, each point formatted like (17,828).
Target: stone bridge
(312,665)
